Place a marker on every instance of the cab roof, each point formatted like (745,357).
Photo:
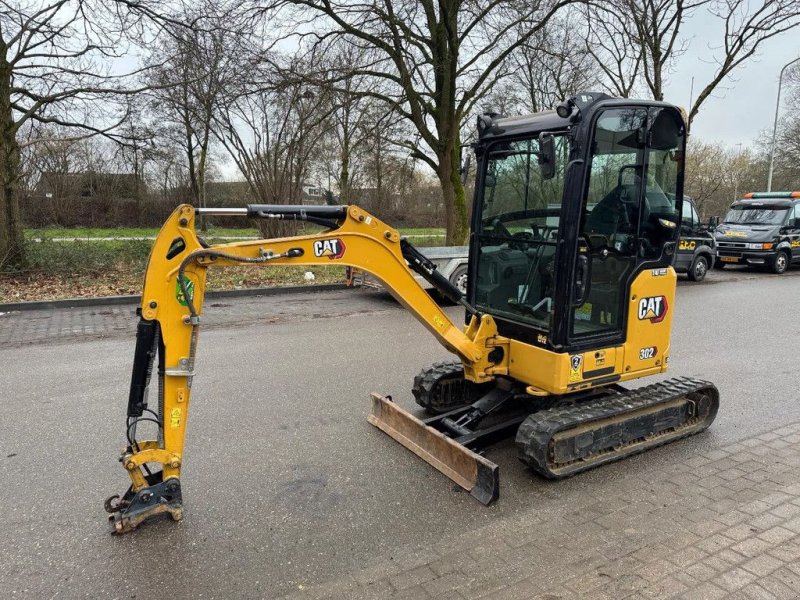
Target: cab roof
(493,125)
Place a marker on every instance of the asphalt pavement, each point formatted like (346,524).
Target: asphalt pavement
(285,484)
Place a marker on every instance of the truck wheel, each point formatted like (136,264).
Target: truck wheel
(781,263)
(459,279)
(699,268)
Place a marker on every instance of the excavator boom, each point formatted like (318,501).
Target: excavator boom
(171,314)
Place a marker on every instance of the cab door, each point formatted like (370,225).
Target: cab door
(629,215)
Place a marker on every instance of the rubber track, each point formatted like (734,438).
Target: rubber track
(536,432)
(442,387)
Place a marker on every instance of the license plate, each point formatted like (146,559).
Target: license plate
(729,258)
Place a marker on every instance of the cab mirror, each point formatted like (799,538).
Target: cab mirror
(547,156)
(713,222)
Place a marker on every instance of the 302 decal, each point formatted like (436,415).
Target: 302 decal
(333,249)
(648,353)
(687,245)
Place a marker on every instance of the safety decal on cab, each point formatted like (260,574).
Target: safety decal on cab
(189,290)
(575,368)
(653,309)
(333,249)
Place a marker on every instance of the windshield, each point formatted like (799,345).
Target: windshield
(520,212)
(743,215)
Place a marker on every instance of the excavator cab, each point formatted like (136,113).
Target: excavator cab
(568,211)
(570,294)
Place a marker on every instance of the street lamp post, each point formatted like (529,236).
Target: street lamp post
(775,124)
(736,171)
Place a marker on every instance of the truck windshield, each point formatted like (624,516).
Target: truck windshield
(743,215)
(518,234)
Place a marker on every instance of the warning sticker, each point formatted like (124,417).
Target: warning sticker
(575,368)
(179,292)
(175,418)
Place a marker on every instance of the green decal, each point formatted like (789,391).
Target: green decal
(189,290)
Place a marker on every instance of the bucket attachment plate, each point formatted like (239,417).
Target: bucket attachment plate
(479,476)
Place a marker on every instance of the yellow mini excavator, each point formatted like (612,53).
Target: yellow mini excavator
(570,293)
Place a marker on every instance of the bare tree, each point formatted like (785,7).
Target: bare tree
(608,42)
(656,32)
(272,129)
(355,118)
(651,31)
(717,175)
(438,59)
(57,63)
(705,173)
(550,66)
(201,62)
(745,30)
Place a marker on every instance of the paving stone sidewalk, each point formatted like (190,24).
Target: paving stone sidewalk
(92,322)
(724,524)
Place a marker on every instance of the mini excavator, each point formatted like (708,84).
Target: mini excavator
(570,294)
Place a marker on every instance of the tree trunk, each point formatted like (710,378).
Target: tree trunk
(344,178)
(12,251)
(201,182)
(453,197)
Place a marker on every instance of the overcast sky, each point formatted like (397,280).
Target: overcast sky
(745,104)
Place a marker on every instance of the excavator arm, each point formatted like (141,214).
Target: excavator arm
(171,316)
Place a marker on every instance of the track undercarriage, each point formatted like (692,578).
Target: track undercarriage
(555,436)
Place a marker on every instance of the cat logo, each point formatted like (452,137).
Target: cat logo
(333,249)
(687,245)
(795,243)
(653,309)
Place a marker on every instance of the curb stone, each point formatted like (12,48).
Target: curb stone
(136,299)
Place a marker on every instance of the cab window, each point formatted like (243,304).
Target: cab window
(689,217)
(518,234)
(664,167)
(610,217)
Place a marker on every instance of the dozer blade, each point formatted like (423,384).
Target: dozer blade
(479,476)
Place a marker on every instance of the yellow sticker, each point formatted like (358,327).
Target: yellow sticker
(175,418)
(575,368)
(438,321)
(600,358)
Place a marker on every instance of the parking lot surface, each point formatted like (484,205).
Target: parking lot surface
(288,490)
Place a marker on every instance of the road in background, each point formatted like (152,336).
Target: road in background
(285,483)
